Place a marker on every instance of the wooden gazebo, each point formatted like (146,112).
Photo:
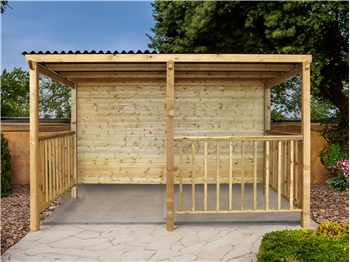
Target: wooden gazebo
(172,119)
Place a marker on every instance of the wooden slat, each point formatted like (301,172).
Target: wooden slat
(267,173)
(279,174)
(239,211)
(217,175)
(193,177)
(180,176)
(238,138)
(230,178)
(242,175)
(56,135)
(205,175)
(255,174)
(291,176)
(170,146)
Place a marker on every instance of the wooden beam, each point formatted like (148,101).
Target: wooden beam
(146,67)
(113,58)
(192,75)
(34,148)
(170,146)
(152,81)
(58,78)
(305,131)
(280,79)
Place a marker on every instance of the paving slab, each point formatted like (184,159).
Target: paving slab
(127,223)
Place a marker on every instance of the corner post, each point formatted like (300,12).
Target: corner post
(74,92)
(34,146)
(305,130)
(170,146)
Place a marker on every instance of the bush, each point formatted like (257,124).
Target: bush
(338,164)
(5,168)
(328,242)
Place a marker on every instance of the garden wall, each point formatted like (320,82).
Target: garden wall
(17,133)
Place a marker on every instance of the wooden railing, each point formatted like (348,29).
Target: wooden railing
(56,160)
(273,161)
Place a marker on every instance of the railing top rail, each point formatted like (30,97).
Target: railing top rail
(55,135)
(238,138)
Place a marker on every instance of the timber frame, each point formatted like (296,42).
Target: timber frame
(91,68)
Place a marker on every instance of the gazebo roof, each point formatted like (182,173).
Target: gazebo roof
(107,67)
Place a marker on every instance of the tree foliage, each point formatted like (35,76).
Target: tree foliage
(54,97)
(4,5)
(15,93)
(319,27)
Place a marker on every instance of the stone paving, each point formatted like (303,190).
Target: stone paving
(143,242)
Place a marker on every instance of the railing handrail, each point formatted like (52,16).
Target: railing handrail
(238,138)
(55,135)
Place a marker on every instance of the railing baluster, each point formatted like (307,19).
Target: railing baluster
(217,175)
(193,178)
(180,176)
(205,175)
(255,173)
(279,173)
(46,172)
(50,171)
(267,173)
(291,174)
(230,179)
(242,175)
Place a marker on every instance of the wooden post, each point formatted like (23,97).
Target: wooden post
(74,92)
(170,146)
(34,147)
(305,131)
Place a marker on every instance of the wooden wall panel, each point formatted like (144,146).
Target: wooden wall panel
(121,128)
(121,134)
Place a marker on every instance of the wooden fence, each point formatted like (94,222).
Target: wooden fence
(57,166)
(274,161)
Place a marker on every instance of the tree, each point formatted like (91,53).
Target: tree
(3,6)
(320,28)
(54,97)
(15,93)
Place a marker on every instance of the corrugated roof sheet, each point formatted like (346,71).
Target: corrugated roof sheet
(143,52)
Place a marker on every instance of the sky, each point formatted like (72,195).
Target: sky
(66,25)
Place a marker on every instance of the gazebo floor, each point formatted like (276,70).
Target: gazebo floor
(145,204)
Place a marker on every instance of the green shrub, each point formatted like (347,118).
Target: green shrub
(5,168)
(328,242)
(332,230)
